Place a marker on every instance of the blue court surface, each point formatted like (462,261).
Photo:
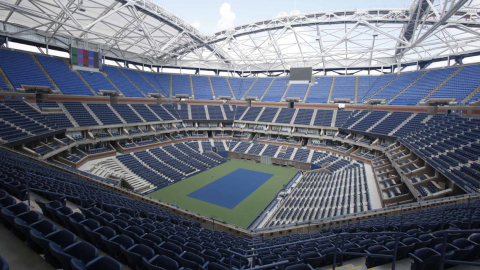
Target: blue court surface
(231,189)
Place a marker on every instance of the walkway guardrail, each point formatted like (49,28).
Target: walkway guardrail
(338,243)
(374,213)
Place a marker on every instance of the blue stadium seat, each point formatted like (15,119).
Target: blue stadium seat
(320,91)
(100,263)
(97,81)
(181,85)
(121,82)
(22,70)
(68,81)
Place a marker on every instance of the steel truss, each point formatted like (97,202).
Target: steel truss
(141,31)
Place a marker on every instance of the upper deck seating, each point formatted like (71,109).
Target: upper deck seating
(22,70)
(68,81)
(122,82)
(320,91)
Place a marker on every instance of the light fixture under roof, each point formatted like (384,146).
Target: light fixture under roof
(80,6)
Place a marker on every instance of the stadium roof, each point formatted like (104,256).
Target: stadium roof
(142,31)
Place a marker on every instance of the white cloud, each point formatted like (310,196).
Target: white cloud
(226,21)
(196,24)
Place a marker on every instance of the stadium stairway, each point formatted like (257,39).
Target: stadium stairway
(334,118)
(163,162)
(248,148)
(263,150)
(276,116)
(359,120)
(249,88)
(293,154)
(92,114)
(331,89)
(211,87)
(116,113)
(408,86)
(427,118)
(189,108)
(85,82)
(110,81)
(69,116)
(165,110)
(310,156)
(356,90)
(95,213)
(306,93)
(114,166)
(200,147)
(402,124)
(235,147)
(171,87)
(207,114)
(441,84)
(18,255)
(469,96)
(222,109)
(192,92)
(231,89)
(379,122)
(403,264)
(266,89)
(26,119)
(139,81)
(45,73)
(238,117)
(153,112)
(294,116)
(138,114)
(155,170)
(356,264)
(6,80)
(153,86)
(314,115)
(259,114)
(225,145)
(383,87)
(285,93)
(23,255)
(130,80)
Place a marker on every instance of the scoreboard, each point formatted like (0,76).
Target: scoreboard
(86,58)
(301,74)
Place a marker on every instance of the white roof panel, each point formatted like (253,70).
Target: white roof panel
(338,39)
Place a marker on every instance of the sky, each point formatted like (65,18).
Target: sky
(211,16)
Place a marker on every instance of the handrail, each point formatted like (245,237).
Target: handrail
(269,266)
(254,253)
(343,235)
(259,232)
(429,210)
(444,249)
(338,251)
(374,211)
(323,238)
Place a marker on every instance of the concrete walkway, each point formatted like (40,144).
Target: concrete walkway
(375,200)
(18,255)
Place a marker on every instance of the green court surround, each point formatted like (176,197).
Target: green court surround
(246,211)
